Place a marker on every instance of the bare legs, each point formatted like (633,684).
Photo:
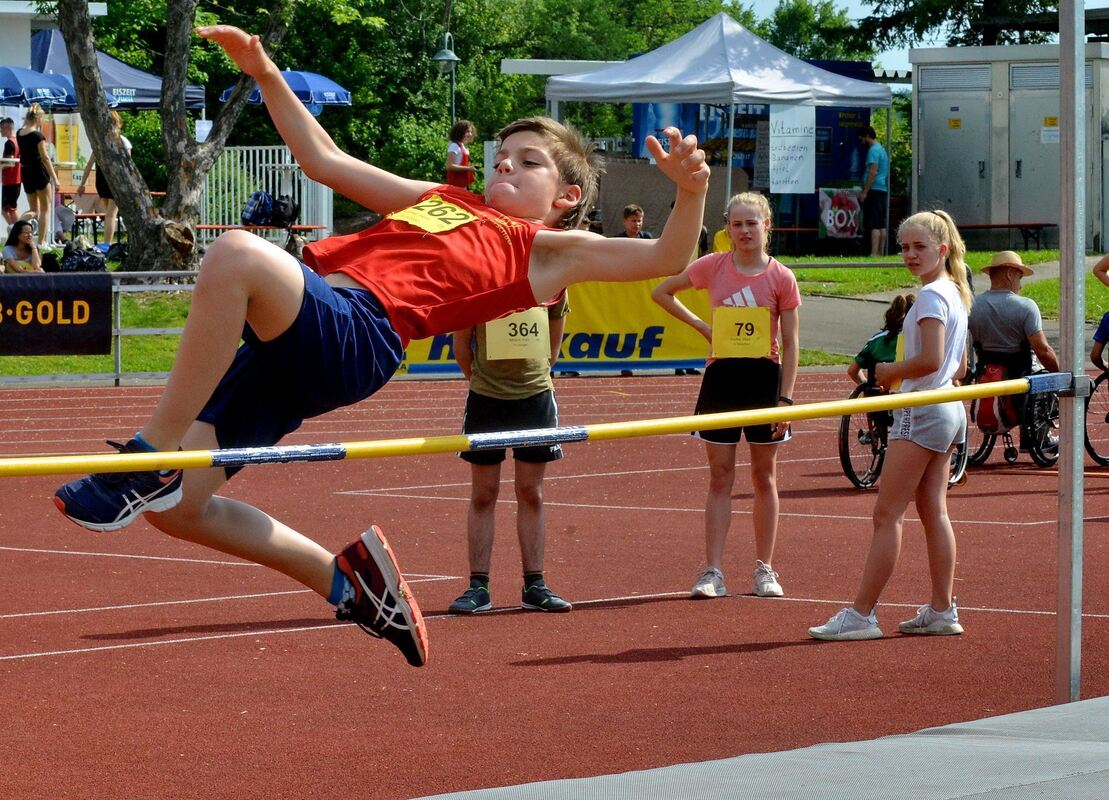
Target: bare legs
(238,529)
(242,279)
(911,473)
(718,502)
(111,217)
(480,520)
(39,203)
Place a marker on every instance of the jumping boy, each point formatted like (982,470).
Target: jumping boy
(321,338)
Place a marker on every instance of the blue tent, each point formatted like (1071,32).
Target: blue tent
(132,88)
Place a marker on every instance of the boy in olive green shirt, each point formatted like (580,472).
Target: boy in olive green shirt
(508,394)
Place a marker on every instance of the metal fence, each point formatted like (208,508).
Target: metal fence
(239,171)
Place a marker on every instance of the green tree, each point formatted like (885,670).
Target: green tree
(815,30)
(992,22)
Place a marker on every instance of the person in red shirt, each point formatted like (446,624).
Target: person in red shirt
(10,175)
(442,259)
(459,170)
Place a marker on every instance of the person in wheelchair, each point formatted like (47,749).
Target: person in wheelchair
(1007,328)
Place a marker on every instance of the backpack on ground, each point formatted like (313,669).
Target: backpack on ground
(284,212)
(994,415)
(258,209)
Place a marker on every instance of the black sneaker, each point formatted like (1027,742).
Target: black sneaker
(107,501)
(473,600)
(539,598)
(382,604)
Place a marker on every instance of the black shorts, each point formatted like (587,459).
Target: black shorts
(737,384)
(35,177)
(874,210)
(102,187)
(490,415)
(10,196)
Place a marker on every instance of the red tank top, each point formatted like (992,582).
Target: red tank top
(448,262)
(461,179)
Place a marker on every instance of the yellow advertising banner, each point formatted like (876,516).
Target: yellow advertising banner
(66,143)
(610,326)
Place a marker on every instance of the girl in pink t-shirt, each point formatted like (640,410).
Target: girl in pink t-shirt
(755,370)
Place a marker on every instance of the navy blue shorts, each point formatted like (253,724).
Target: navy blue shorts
(340,349)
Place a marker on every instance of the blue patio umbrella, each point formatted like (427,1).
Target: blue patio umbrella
(21,87)
(312,89)
(70,99)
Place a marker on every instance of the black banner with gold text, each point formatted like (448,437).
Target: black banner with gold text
(58,314)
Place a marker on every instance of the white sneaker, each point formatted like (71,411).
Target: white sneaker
(766,581)
(710,583)
(934,623)
(848,625)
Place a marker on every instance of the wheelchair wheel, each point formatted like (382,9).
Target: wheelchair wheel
(959,459)
(1042,427)
(1097,421)
(979,444)
(862,442)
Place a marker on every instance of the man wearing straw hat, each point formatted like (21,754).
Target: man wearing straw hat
(1006,327)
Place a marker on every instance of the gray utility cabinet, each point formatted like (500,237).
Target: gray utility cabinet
(986,138)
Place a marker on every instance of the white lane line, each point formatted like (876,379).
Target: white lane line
(411,578)
(699,510)
(430,617)
(128,555)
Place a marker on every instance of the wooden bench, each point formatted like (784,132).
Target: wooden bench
(256,228)
(1029,231)
(290,230)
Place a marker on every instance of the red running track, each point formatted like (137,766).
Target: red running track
(134,665)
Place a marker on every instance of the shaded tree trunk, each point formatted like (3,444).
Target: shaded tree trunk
(159,238)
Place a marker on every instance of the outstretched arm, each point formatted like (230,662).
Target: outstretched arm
(311,145)
(1101,270)
(573,256)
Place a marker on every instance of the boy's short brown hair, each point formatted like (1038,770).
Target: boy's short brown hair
(632,210)
(577,160)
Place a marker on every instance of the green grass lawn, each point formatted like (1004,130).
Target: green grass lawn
(856,281)
(1046,295)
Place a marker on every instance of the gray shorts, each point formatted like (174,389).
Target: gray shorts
(936,427)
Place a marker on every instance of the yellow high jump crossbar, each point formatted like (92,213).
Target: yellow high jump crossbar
(201,459)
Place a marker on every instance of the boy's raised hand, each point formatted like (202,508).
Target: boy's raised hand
(684,164)
(242,48)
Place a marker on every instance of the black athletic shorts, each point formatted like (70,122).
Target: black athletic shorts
(737,384)
(10,196)
(490,415)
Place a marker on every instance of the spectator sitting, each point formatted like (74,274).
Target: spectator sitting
(1007,328)
(21,252)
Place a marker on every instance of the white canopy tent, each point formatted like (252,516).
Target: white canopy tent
(719,62)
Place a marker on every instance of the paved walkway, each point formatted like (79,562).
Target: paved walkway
(843,324)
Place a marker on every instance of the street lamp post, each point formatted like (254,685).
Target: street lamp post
(446,60)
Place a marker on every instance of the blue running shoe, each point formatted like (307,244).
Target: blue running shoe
(108,501)
(539,597)
(474,600)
